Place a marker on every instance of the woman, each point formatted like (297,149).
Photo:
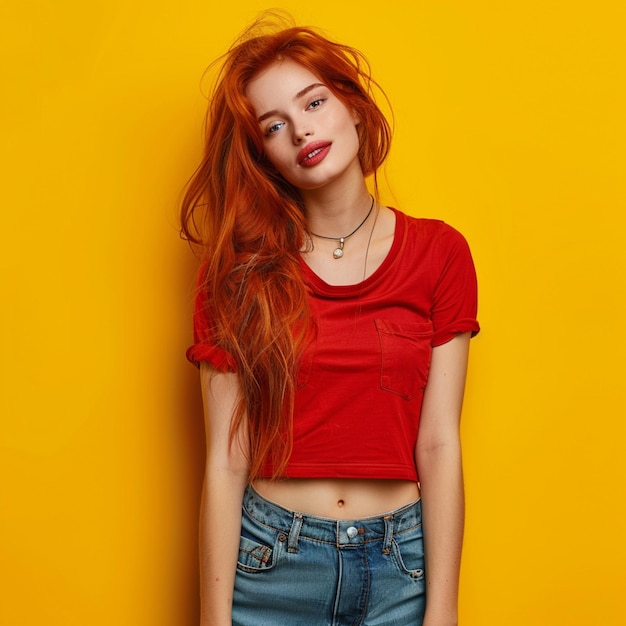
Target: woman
(327,328)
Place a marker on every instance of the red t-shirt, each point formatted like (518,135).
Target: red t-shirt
(361,381)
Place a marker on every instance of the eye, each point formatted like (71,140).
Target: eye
(314,104)
(272,128)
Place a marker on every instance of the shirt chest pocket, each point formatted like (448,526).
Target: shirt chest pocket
(405,356)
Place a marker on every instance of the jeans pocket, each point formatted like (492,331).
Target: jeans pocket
(254,556)
(405,356)
(408,553)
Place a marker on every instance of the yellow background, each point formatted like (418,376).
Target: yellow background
(509,125)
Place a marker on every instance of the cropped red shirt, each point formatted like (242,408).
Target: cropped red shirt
(361,381)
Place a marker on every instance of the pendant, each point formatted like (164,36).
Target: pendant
(338,252)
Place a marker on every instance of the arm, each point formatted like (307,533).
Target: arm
(225,479)
(438,458)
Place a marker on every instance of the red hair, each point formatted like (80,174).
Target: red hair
(251,227)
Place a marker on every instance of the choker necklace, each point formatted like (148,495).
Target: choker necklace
(338,252)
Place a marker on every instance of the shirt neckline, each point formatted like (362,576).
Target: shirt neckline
(322,288)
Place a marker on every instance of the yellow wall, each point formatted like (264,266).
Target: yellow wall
(509,125)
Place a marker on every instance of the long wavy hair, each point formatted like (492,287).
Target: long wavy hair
(250,226)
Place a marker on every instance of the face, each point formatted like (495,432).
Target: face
(309,135)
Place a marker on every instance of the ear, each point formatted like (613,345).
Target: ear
(355,118)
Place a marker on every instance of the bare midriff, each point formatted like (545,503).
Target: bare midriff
(338,498)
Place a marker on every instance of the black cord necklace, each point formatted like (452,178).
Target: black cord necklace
(338,252)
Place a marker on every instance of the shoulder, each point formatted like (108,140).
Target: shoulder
(429,232)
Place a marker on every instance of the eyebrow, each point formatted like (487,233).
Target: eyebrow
(301,93)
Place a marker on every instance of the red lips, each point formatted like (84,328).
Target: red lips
(313,153)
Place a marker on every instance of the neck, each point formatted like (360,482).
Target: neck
(335,213)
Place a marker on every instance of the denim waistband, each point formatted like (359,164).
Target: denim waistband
(295,525)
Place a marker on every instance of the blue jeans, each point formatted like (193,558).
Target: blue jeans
(296,569)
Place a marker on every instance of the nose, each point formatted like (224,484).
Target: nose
(300,135)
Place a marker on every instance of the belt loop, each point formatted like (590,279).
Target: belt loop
(388,519)
(294,533)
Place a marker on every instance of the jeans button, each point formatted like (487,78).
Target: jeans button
(352,532)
